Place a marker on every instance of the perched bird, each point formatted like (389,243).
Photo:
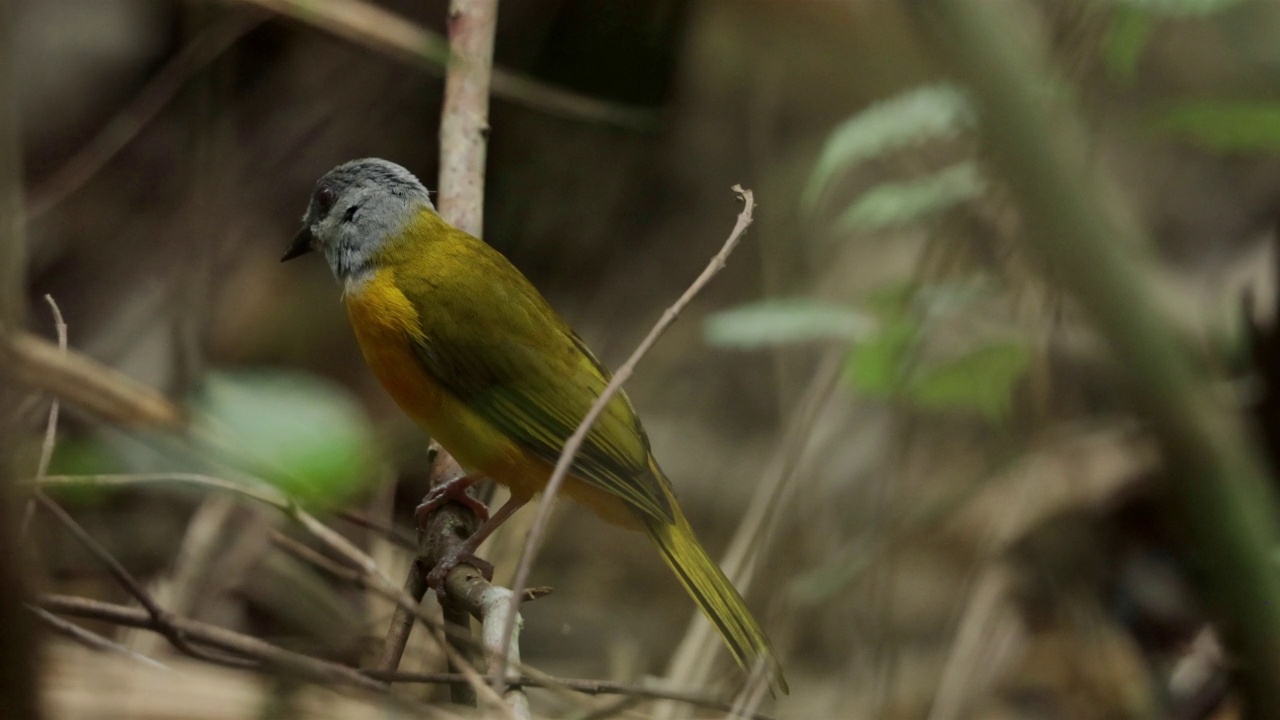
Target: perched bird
(473,353)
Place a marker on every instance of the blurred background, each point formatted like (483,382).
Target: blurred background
(912,446)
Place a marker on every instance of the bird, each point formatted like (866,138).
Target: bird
(476,356)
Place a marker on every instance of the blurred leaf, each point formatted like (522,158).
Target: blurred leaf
(84,456)
(783,321)
(1126,38)
(877,366)
(895,204)
(831,577)
(314,433)
(982,381)
(1224,126)
(1181,8)
(910,118)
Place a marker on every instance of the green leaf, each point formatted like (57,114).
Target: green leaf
(1126,38)
(1224,126)
(908,119)
(1181,8)
(981,381)
(307,436)
(785,321)
(896,204)
(877,366)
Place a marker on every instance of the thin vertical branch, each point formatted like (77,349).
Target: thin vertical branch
(464,131)
(464,123)
(1215,483)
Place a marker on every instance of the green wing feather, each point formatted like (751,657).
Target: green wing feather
(494,342)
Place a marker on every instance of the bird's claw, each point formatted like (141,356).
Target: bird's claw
(438,574)
(447,492)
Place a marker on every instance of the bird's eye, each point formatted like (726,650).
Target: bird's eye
(325,197)
(350,214)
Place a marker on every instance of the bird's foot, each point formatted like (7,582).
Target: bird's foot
(462,556)
(454,490)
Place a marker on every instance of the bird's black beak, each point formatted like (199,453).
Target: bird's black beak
(302,244)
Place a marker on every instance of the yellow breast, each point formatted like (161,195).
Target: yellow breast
(386,324)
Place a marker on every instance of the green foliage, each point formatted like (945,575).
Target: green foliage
(1126,38)
(784,321)
(312,438)
(890,365)
(896,204)
(84,456)
(1224,126)
(908,119)
(1181,8)
(982,380)
(885,342)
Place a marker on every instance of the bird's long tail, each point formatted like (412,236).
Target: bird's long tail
(714,594)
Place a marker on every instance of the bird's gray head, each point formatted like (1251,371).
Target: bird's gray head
(355,209)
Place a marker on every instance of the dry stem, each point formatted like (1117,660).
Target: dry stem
(571,447)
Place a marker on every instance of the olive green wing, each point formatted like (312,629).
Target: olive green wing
(495,343)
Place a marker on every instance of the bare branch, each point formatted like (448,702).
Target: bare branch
(571,447)
(92,640)
(263,653)
(464,120)
(268,655)
(372,26)
(268,495)
(579,685)
(161,619)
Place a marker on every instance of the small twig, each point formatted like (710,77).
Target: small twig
(393,533)
(92,640)
(262,652)
(401,626)
(117,570)
(534,542)
(613,709)
(578,685)
(270,655)
(259,492)
(154,97)
(374,27)
(162,620)
(51,427)
(391,657)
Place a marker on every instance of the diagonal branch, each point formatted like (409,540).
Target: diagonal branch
(571,447)
(370,25)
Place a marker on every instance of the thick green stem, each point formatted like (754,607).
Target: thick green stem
(1216,486)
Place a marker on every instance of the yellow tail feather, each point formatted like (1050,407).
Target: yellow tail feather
(714,594)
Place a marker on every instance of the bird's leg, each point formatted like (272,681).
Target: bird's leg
(453,490)
(465,553)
